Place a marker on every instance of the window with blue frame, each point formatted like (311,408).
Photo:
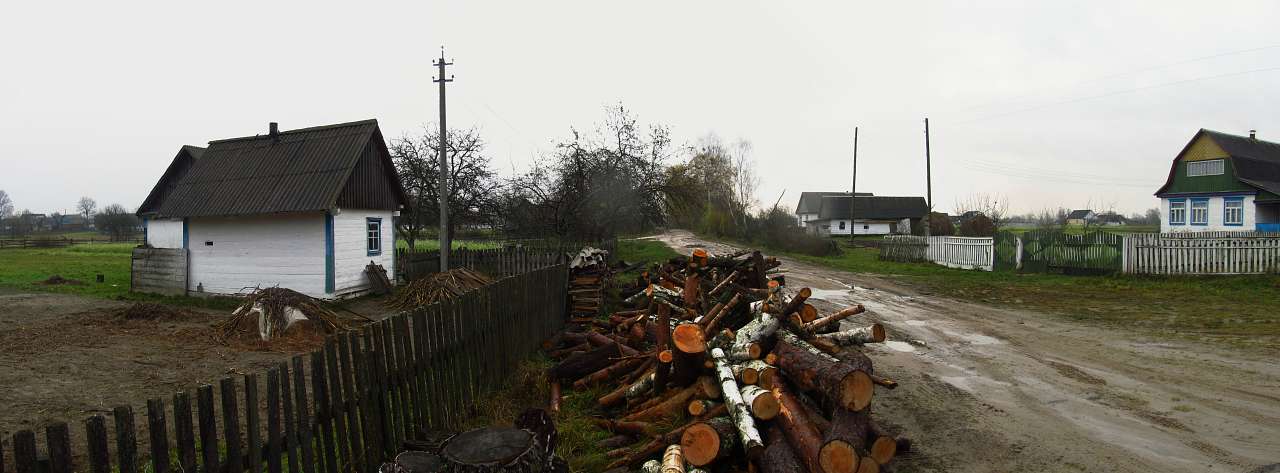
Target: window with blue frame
(1177,212)
(1233,211)
(1199,211)
(373,236)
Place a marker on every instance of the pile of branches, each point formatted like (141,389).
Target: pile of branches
(755,378)
(437,287)
(276,304)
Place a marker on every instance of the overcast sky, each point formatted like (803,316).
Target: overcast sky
(1069,105)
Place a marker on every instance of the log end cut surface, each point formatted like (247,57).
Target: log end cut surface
(701,444)
(856,390)
(837,456)
(689,338)
(488,446)
(765,406)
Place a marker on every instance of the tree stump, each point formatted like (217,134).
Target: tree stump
(495,450)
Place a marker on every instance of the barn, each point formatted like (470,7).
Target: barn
(305,209)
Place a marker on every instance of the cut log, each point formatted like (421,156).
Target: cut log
(745,351)
(844,383)
(607,373)
(843,448)
(417,462)
(640,429)
(563,352)
(799,430)
(745,373)
(760,401)
(808,313)
(692,291)
(619,395)
(873,333)
(748,436)
(578,365)
(616,441)
(758,330)
(668,407)
(884,382)
(495,449)
(816,325)
(655,446)
(639,388)
(868,467)
(796,304)
(713,322)
(689,338)
(555,397)
(884,446)
(705,442)
(662,372)
(673,459)
(724,283)
(778,456)
(762,373)
(698,407)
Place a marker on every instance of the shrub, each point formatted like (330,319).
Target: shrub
(939,225)
(979,226)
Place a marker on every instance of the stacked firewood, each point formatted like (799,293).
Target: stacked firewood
(589,273)
(754,378)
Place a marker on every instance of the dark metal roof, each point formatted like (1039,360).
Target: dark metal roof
(1256,162)
(301,170)
(182,162)
(875,208)
(1079,214)
(811,202)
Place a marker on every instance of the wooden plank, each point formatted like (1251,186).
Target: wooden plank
(24,452)
(58,439)
(323,412)
(305,433)
(387,367)
(273,421)
(253,423)
(333,402)
(159,436)
(208,429)
(231,426)
(369,451)
(184,432)
(350,408)
(96,442)
(291,440)
(126,440)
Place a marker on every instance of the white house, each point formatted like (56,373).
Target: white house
(872,215)
(305,209)
(811,204)
(1222,182)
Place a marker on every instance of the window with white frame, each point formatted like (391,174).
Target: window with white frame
(373,236)
(1200,212)
(1233,211)
(1177,212)
(1214,167)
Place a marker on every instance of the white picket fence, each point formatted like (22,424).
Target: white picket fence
(953,252)
(1188,254)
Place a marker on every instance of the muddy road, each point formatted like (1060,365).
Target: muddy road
(994,389)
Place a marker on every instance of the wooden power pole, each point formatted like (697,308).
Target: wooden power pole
(853,191)
(443,191)
(928,180)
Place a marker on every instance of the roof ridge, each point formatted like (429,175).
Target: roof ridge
(370,121)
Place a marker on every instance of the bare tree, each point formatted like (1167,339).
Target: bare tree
(994,207)
(117,221)
(6,205)
(745,179)
(472,184)
(86,206)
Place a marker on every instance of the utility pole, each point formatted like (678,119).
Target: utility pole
(853,191)
(928,180)
(443,191)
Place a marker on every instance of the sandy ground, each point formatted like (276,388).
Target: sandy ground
(991,389)
(66,357)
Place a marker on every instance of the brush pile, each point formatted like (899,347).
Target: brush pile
(589,272)
(272,310)
(437,287)
(751,375)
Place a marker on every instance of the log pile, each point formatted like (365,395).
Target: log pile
(589,274)
(754,378)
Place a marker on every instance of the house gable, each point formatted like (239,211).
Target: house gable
(1203,147)
(373,183)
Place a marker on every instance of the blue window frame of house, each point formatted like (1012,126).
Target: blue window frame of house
(373,235)
(1233,211)
(1177,211)
(1199,212)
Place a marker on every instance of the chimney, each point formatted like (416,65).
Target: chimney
(274,132)
(1253,134)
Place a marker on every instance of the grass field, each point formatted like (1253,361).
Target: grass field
(1241,310)
(430,245)
(25,269)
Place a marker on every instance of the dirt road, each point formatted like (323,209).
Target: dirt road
(993,389)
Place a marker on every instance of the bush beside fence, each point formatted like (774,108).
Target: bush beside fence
(369,391)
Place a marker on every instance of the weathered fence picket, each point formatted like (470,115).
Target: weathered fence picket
(955,252)
(1178,254)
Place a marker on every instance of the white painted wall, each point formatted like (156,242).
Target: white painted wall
(164,233)
(351,253)
(285,250)
(873,227)
(1216,210)
(802,218)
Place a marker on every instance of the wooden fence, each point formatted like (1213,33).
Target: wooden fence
(369,391)
(159,271)
(953,252)
(1058,251)
(10,243)
(1178,254)
(497,262)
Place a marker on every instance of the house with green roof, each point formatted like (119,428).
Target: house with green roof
(1222,182)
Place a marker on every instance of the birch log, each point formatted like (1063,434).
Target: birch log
(673,459)
(873,333)
(748,436)
(816,325)
(760,401)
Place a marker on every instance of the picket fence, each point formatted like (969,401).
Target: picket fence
(369,391)
(496,262)
(954,252)
(1181,254)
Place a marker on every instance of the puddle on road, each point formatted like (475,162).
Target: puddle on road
(830,294)
(899,346)
(974,338)
(916,323)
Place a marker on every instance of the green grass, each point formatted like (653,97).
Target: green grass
(652,251)
(1240,310)
(430,245)
(24,269)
